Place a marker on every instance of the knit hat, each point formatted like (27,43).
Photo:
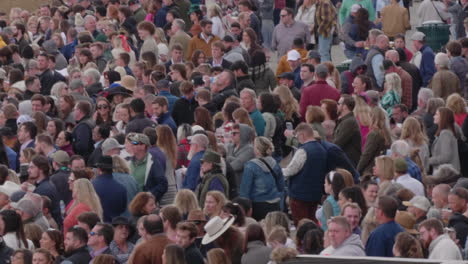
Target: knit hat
(212,157)
(400,165)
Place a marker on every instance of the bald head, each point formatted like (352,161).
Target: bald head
(392,55)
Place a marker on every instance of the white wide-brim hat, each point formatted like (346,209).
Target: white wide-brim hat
(216,227)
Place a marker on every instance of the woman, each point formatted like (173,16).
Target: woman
(233,209)
(217,256)
(445,146)
(143,204)
(315,116)
(40,119)
(12,231)
(255,248)
(274,123)
(407,246)
(392,92)
(361,84)
(161,40)
(330,109)
(353,194)
(122,175)
(215,14)
(85,59)
(333,78)
(457,104)
(186,201)
(432,105)
(334,183)
(306,14)
(362,112)
(383,170)
(173,254)
(249,41)
(224,132)
(214,203)
(54,127)
(370,189)
(42,256)
(198,57)
(355,33)
(261,74)
(64,142)
(278,218)
(122,113)
(52,240)
(184,131)
(120,45)
(120,247)
(378,141)
(66,105)
(85,199)
(262,180)
(289,105)
(195,17)
(412,132)
(241,116)
(21,256)
(167,142)
(203,118)
(103,114)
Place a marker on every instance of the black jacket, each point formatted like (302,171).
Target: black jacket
(138,123)
(183,111)
(47,79)
(60,180)
(459,222)
(6,252)
(83,137)
(193,255)
(224,63)
(244,82)
(219,98)
(95,155)
(78,256)
(94,89)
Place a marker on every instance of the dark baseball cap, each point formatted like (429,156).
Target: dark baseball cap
(313,54)
(228,38)
(287,75)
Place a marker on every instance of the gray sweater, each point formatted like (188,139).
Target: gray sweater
(445,150)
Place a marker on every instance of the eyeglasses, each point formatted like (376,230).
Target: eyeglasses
(102,107)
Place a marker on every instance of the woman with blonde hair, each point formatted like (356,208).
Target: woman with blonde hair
(160,37)
(457,104)
(85,199)
(378,141)
(241,116)
(362,113)
(383,169)
(215,14)
(173,254)
(167,143)
(186,201)
(392,92)
(217,256)
(214,203)
(289,105)
(412,132)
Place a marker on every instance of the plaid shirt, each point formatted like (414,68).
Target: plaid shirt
(406,87)
(325,17)
(413,169)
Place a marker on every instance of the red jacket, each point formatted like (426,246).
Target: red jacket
(313,94)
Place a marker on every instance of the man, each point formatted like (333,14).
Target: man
(45,145)
(399,57)
(198,145)
(180,37)
(222,88)
(83,131)
(233,52)
(76,251)
(243,80)
(439,244)
(294,61)
(55,57)
(307,75)
(177,57)
(254,21)
(151,250)
(112,194)
(33,87)
(346,7)
(240,150)
(146,31)
(37,103)
(381,240)
(91,79)
(306,175)
(138,119)
(171,216)
(126,20)
(217,51)
(163,87)
(406,82)
(418,206)
(30,213)
(162,114)
(287,79)
(77,162)
(283,65)
(20,32)
(100,133)
(203,40)
(347,134)
(401,149)
(402,177)
(391,26)
(187,232)
(374,60)
(352,212)
(426,59)
(160,17)
(424,95)
(97,49)
(439,198)
(185,106)
(38,172)
(138,11)
(458,64)
(45,76)
(318,90)
(343,241)
(145,168)
(248,100)
(26,134)
(212,177)
(99,239)
(60,161)
(77,91)
(444,82)
(399,113)
(286,31)
(458,198)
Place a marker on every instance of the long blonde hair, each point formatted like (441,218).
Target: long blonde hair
(120,165)
(186,201)
(362,111)
(167,142)
(378,118)
(385,163)
(160,37)
(394,82)
(218,256)
(220,199)
(86,194)
(412,131)
(289,104)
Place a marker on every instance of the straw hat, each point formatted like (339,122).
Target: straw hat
(216,227)
(129,82)
(407,221)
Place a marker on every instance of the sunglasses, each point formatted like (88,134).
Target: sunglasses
(135,142)
(92,233)
(102,107)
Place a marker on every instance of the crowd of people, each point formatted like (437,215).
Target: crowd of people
(165,131)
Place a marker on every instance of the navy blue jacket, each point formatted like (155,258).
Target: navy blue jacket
(112,194)
(192,177)
(166,119)
(47,188)
(155,179)
(83,138)
(160,17)
(337,159)
(427,66)
(381,240)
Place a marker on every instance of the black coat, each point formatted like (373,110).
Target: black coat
(138,123)
(79,256)
(183,111)
(60,180)
(83,138)
(219,98)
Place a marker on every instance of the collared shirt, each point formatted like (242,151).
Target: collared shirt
(413,169)
(95,253)
(217,63)
(205,38)
(138,169)
(411,184)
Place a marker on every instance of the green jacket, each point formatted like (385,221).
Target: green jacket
(213,180)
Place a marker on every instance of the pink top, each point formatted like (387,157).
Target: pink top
(71,219)
(364,132)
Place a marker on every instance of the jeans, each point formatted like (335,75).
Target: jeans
(324,46)
(349,53)
(267,32)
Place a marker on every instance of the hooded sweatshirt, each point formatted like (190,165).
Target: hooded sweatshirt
(347,77)
(51,48)
(238,156)
(351,247)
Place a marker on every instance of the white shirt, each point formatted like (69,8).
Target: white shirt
(410,183)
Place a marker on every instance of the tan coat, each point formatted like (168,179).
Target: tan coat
(444,83)
(183,39)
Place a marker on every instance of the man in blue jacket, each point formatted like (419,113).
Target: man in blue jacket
(198,145)
(427,65)
(161,111)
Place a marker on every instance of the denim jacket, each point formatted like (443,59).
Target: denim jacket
(258,184)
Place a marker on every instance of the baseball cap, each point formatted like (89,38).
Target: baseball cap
(61,157)
(26,206)
(355,8)
(287,75)
(293,55)
(137,138)
(110,144)
(321,68)
(228,38)
(419,36)
(313,54)
(420,202)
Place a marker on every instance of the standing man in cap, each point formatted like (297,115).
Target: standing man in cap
(187,233)
(283,65)
(402,177)
(60,161)
(112,194)
(425,62)
(145,168)
(439,244)
(212,177)
(287,79)
(294,61)
(286,31)
(418,206)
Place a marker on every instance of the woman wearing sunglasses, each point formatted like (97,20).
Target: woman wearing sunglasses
(103,114)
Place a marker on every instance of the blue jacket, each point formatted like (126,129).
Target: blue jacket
(69,49)
(112,194)
(259,184)
(155,179)
(160,17)
(166,119)
(381,240)
(307,185)
(192,177)
(170,99)
(258,122)
(337,159)
(130,185)
(13,160)
(427,66)
(157,153)
(47,188)
(297,78)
